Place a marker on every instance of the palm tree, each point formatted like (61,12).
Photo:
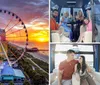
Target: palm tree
(11,83)
(1,83)
(26,82)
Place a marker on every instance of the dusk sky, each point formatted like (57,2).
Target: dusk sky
(34,14)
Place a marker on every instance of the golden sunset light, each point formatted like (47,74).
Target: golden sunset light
(24,39)
(39,36)
(37,25)
(33,35)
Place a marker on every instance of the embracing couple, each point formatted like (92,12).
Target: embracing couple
(70,67)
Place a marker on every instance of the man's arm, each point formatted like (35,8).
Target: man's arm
(75,68)
(60,72)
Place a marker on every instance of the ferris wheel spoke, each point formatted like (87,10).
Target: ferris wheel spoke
(2,23)
(19,58)
(16,37)
(12,53)
(14,32)
(12,27)
(16,56)
(5,53)
(9,23)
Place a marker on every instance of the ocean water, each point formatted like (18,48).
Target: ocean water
(42,45)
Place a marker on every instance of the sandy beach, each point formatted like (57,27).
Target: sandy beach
(40,56)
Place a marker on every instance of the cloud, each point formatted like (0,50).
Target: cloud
(28,10)
(34,13)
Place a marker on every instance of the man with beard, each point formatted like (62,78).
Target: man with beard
(53,24)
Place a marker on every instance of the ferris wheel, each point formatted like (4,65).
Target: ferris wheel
(13,34)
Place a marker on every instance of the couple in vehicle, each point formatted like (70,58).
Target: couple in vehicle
(78,68)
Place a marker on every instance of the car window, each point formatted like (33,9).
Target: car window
(75,11)
(64,10)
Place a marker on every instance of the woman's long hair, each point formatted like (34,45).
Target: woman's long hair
(83,65)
